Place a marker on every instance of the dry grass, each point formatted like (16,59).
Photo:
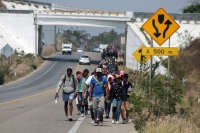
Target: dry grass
(2,6)
(22,69)
(48,50)
(171,125)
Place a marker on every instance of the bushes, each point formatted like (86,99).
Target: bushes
(33,66)
(2,78)
(156,99)
(21,65)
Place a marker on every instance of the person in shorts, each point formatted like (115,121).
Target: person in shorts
(125,105)
(68,83)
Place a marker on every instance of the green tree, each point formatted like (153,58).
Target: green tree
(193,8)
(77,37)
(110,37)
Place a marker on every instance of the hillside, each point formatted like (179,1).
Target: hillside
(2,6)
(187,65)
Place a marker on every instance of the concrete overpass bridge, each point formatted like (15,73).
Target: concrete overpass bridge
(25,24)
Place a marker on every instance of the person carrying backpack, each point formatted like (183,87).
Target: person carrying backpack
(82,101)
(98,87)
(68,83)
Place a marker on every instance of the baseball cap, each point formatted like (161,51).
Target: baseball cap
(117,76)
(121,73)
(98,70)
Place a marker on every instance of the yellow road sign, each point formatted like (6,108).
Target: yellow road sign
(138,55)
(160,26)
(160,51)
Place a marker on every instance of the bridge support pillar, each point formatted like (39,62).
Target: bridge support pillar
(40,45)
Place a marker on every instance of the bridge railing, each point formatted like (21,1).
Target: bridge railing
(17,11)
(177,16)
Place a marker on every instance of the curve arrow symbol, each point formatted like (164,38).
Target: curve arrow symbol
(168,23)
(157,33)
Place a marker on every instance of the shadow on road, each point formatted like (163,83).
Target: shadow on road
(68,60)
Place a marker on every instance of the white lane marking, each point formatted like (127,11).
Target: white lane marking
(76,125)
(34,79)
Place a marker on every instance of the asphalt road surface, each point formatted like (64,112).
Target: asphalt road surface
(27,105)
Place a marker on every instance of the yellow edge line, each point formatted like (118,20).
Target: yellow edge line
(20,99)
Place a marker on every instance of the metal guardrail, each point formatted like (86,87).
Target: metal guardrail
(177,16)
(17,11)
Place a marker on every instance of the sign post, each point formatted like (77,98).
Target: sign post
(160,26)
(168,75)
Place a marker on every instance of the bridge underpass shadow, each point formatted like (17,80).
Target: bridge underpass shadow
(95,62)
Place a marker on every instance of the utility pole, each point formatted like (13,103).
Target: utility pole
(126,31)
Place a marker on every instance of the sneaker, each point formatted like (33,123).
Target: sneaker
(67,119)
(86,112)
(78,113)
(82,115)
(117,122)
(100,123)
(95,124)
(107,116)
(127,119)
(124,122)
(113,121)
(70,118)
(92,122)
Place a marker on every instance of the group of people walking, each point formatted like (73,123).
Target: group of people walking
(106,89)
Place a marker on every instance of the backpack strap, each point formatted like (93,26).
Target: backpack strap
(64,79)
(97,81)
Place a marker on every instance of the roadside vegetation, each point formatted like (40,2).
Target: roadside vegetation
(20,64)
(168,104)
(80,38)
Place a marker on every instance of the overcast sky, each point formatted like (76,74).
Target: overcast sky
(171,6)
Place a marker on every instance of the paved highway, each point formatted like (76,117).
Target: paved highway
(27,105)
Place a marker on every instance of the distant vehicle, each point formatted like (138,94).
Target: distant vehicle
(66,48)
(84,59)
(95,49)
(102,46)
(80,50)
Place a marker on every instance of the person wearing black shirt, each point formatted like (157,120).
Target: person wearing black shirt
(125,105)
(117,95)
